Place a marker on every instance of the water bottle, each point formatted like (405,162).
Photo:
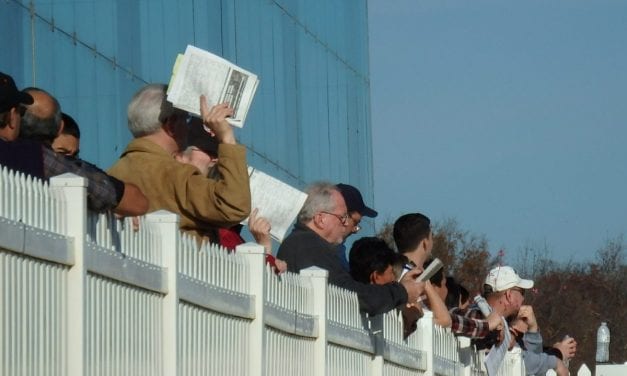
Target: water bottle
(483,305)
(603,344)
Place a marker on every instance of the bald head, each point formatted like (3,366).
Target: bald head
(42,120)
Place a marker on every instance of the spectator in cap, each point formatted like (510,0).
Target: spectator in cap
(68,141)
(313,242)
(357,209)
(504,291)
(202,153)
(12,108)
(202,149)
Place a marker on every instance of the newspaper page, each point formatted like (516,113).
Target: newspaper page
(276,201)
(494,359)
(201,72)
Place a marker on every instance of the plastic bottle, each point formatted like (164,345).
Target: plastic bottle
(603,343)
(483,305)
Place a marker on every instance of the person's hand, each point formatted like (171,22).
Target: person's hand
(260,229)
(414,289)
(495,322)
(134,221)
(526,314)
(280,265)
(561,369)
(568,348)
(215,119)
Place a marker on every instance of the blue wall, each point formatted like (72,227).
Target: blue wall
(310,119)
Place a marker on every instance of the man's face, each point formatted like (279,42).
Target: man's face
(516,297)
(201,160)
(334,228)
(383,278)
(66,144)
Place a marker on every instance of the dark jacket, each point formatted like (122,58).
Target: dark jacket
(304,248)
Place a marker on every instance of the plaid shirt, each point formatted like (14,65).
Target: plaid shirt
(467,326)
(104,192)
(483,338)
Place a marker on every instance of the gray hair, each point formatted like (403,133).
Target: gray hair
(318,199)
(42,129)
(148,110)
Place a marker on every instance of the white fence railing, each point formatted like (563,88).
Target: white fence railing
(86,294)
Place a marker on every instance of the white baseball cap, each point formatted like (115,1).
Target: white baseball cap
(502,278)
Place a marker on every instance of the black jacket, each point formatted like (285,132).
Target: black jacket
(304,248)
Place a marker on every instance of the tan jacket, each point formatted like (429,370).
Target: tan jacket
(202,203)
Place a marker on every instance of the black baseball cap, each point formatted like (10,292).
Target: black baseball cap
(354,201)
(197,136)
(9,95)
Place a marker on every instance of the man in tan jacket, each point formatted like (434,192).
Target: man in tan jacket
(160,131)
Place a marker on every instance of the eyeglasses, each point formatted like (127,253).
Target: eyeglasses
(342,218)
(356,226)
(521,291)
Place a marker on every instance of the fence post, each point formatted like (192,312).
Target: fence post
(319,279)
(376,328)
(256,256)
(73,191)
(167,226)
(426,322)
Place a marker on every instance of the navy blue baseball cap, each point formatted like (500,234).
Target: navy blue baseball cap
(354,201)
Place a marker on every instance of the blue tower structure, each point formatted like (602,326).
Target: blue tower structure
(310,119)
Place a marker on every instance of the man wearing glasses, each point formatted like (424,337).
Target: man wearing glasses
(320,228)
(356,209)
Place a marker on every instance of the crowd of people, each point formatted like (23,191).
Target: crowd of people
(195,168)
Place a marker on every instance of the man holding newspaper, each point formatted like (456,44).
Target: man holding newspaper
(160,131)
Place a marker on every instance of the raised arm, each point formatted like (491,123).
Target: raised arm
(132,203)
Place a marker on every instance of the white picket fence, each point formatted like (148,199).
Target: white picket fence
(85,294)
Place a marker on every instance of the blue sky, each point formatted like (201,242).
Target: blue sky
(509,116)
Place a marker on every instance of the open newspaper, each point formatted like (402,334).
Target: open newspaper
(200,72)
(276,201)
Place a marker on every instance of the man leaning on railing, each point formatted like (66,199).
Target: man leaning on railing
(35,116)
(320,228)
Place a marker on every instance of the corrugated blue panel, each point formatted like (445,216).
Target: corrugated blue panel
(207,21)
(286,56)
(13,28)
(310,119)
